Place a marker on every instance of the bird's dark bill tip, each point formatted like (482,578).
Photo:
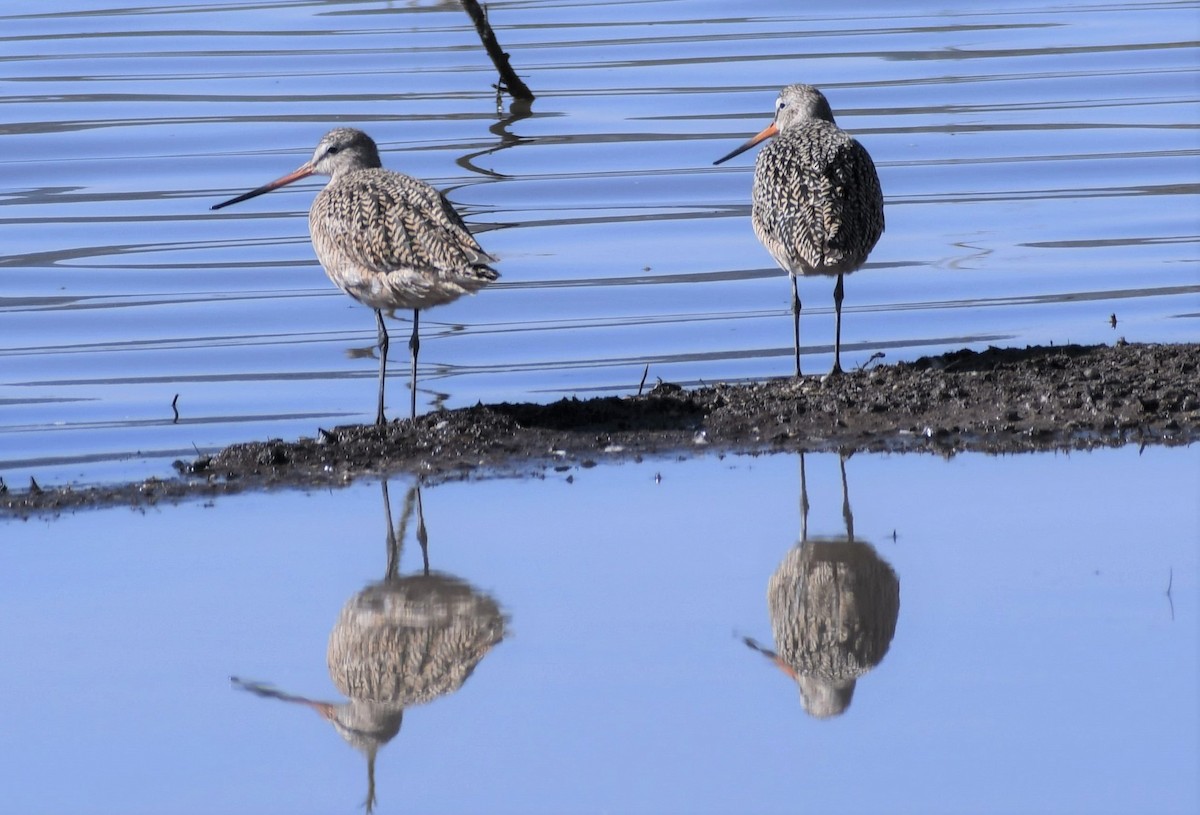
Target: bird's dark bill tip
(728,156)
(737,151)
(303,171)
(767,132)
(237,199)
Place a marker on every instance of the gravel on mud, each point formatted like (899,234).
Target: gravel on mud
(1001,400)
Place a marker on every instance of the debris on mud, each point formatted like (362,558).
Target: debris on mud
(996,401)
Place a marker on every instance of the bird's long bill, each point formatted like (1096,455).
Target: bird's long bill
(769,131)
(303,171)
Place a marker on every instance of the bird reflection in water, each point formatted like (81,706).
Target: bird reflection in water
(403,641)
(833,604)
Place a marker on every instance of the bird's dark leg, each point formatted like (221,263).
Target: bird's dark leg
(414,345)
(383,351)
(803,503)
(796,321)
(838,293)
(847,514)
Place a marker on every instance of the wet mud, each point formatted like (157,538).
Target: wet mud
(994,401)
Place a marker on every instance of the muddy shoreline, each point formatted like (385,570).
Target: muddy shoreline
(994,401)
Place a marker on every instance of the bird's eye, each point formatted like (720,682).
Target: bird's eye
(333,151)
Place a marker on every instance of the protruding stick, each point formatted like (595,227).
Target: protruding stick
(516,87)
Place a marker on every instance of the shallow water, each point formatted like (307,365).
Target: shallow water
(1037,661)
(1040,168)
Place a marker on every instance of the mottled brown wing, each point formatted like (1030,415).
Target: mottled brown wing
(857,219)
(817,201)
(389,222)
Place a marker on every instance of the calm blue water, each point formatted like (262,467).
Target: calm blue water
(1041,173)
(1040,167)
(1037,663)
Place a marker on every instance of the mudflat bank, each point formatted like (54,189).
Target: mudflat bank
(1001,400)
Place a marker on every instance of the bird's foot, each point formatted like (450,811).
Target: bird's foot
(834,374)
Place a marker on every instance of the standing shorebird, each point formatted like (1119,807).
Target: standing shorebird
(386,239)
(818,207)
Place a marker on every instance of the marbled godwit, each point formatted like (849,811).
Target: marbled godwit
(386,239)
(817,204)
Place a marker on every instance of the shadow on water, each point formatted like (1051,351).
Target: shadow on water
(405,640)
(833,603)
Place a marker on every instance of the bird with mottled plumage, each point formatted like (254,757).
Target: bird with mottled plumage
(388,240)
(817,205)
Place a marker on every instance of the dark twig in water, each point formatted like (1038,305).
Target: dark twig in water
(642,384)
(508,77)
(1171,600)
(174,403)
(878,355)
(198,466)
